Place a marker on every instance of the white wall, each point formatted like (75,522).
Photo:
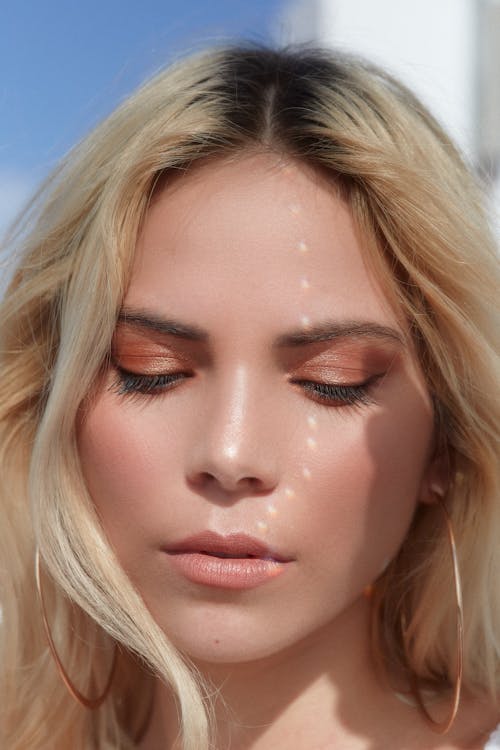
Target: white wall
(429,44)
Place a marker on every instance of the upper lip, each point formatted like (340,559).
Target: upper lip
(230,545)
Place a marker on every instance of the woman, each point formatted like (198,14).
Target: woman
(249,424)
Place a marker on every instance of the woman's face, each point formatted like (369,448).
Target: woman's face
(258,447)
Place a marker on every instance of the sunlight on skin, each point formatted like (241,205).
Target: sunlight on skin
(286,168)
(305,321)
(311,443)
(312,421)
(231,449)
(294,209)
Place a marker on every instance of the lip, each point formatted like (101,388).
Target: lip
(233,561)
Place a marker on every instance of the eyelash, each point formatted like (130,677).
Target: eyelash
(338,394)
(132,384)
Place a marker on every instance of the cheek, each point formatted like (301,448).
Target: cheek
(125,467)
(364,480)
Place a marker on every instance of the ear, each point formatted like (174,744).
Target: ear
(436,480)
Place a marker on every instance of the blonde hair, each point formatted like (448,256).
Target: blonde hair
(419,213)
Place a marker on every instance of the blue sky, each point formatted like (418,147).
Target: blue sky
(64,64)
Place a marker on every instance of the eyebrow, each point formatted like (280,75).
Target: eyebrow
(313,334)
(331,330)
(152,322)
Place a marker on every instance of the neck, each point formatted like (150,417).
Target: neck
(308,692)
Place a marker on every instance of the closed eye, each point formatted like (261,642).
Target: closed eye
(330,394)
(339,394)
(130,383)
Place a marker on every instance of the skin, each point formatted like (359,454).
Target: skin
(248,250)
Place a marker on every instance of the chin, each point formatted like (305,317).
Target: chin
(231,644)
(234,634)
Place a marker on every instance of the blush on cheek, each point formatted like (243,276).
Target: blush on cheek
(118,464)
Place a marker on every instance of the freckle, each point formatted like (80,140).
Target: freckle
(304,284)
(263,527)
(312,422)
(302,247)
(306,473)
(305,321)
(289,493)
(216,641)
(311,443)
(272,511)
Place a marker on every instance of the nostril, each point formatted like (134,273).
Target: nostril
(229,483)
(206,471)
(253,482)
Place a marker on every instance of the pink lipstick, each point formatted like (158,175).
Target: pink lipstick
(235,561)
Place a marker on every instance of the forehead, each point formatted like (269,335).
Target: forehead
(259,236)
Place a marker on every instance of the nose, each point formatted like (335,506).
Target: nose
(234,450)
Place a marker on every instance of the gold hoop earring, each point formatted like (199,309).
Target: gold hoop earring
(441,727)
(91,703)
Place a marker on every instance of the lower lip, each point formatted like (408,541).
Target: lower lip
(226,572)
